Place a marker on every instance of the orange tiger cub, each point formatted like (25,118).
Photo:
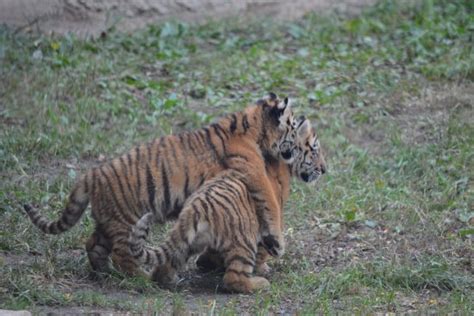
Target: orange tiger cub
(159,176)
(220,217)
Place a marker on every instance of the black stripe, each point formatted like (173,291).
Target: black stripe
(129,161)
(233,123)
(186,172)
(186,183)
(148,151)
(245,123)
(137,169)
(86,183)
(195,221)
(181,140)
(165,207)
(202,178)
(150,184)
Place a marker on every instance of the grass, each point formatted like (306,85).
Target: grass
(389,228)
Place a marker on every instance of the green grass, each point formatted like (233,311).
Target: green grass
(389,228)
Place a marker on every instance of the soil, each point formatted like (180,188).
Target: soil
(92,17)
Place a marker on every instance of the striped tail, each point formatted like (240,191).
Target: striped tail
(78,201)
(169,251)
(137,239)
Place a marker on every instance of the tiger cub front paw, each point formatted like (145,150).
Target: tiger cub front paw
(274,245)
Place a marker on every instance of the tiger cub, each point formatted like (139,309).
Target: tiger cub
(221,217)
(159,176)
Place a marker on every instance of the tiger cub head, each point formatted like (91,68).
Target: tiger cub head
(283,138)
(309,163)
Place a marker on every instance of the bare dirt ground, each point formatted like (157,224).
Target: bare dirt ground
(91,17)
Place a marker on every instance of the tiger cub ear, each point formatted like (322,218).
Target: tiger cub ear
(272,96)
(269,99)
(286,114)
(303,129)
(285,104)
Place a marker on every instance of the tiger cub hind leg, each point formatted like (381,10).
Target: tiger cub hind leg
(99,248)
(238,275)
(122,258)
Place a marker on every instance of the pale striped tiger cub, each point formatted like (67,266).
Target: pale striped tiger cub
(221,217)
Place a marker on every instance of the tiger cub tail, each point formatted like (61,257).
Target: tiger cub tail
(137,242)
(168,251)
(76,205)
(167,259)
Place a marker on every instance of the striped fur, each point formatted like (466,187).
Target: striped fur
(220,218)
(159,176)
(310,164)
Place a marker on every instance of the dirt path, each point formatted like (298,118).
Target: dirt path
(90,17)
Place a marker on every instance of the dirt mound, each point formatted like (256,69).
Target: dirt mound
(91,17)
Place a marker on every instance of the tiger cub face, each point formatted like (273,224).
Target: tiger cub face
(309,163)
